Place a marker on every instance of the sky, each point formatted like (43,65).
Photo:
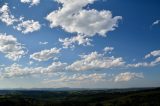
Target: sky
(79,43)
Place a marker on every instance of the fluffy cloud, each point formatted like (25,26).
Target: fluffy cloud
(79,39)
(73,18)
(11,47)
(79,78)
(16,70)
(94,61)
(28,26)
(31,2)
(23,26)
(127,76)
(6,16)
(45,55)
(108,49)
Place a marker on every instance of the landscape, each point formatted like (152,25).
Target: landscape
(79,53)
(81,97)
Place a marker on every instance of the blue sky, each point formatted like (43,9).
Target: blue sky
(87,44)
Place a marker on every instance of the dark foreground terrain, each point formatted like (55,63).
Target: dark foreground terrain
(114,97)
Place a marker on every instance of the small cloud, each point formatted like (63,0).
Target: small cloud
(31,2)
(28,26)
(156,22)
(45,55)
(12,49)
(79,39)
(43,43)
(6,16)
(108,49)
(14,7)
(153,53)
(127,76)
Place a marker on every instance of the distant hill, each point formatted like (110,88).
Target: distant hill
(80,97)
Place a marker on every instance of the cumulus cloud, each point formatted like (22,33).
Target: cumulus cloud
(25,27)
(127,76)
(31,2)
(45,55)
(6,16)
(28,26)
(94,61)
(73,18)
(79,39)
(108,49)
(16,70)
(79,78)
(11,47)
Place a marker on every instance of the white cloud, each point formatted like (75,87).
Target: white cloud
(23,26)
(31,2)
(108,49)
(156,61)
(16,70)
(140,64)
(43,43)
(146,64)
(128,76)
(6,16)
(94,61)
(153,53)
(79,78)
(156,22)
(11,47)
(28,26)
(79,39)
(73,18)
(45,55)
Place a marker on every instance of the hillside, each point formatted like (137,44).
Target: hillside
(115,97)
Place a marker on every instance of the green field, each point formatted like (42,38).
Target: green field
(115,97)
